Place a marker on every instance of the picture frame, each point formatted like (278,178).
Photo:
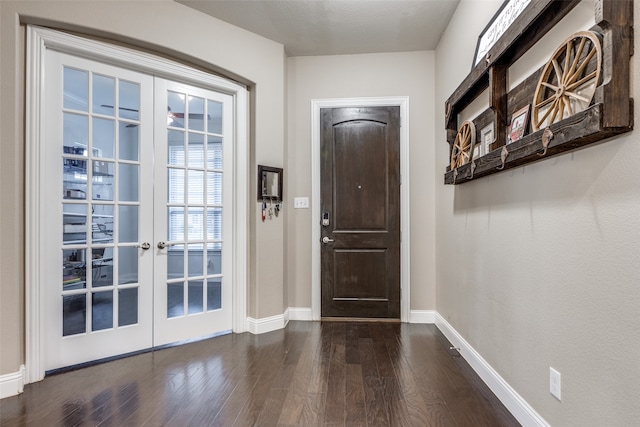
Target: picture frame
(519,122)
(269,183)
(487,137)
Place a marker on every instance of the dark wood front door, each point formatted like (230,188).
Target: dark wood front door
(360,212)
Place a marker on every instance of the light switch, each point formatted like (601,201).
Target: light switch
(301,203)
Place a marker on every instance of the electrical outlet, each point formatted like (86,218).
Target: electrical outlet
(301,203)
(554,383)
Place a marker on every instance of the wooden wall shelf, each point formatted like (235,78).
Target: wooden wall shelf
(611,111)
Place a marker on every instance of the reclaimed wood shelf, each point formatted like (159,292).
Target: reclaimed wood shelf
(611,111)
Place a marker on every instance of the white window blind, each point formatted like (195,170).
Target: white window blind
(188,201)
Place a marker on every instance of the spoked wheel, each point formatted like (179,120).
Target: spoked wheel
(568,80)
(462,149)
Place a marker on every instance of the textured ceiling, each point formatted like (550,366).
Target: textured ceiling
(321,27)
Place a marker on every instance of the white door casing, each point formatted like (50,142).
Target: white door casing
(316,105)
(41,40)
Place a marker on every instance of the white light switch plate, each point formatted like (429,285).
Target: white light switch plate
(301,203)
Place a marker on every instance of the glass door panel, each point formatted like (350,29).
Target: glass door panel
(100,122)
(191,205)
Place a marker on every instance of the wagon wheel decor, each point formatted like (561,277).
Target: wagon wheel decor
(462,148)
(568,80)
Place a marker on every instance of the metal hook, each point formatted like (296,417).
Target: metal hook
(455,175)
(547,136)
(473,168)
(503,155)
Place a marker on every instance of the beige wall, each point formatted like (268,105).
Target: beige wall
(350,76)
(550,253)
(161,26)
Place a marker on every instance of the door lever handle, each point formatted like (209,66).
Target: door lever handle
(144,246)
(325,239)
(162,245)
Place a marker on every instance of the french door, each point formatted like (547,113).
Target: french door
(137,190)
(191,207)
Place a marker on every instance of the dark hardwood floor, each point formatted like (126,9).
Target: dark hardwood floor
(311,373)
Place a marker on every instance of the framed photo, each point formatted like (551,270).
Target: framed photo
(519,122)
(486,139)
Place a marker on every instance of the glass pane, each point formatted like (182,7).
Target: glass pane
(214,293)
(214,116)
(75,134)
(128,187)
(175,109)
(101,310)
(76,89)
(74,179)
(214,188)
(194,263)
(127,224)
(195,297)
(175,299)
(74,314)
(175,262)
(175,224)
(196,113)
(127,265)
(196,187)
(104,95)
(102,223)
(129,141)
(102,180)
(129,100)
(175,156)
(74,223)
(196,224)
(196,149)
(175,186)
(214,258)
(214,224)
(214,152)
(74,272)
(102,267)
(103,137)
(127,306)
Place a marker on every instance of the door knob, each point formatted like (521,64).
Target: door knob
(325,239)
(144,246)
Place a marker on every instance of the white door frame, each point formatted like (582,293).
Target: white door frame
(38,41)
(316,105)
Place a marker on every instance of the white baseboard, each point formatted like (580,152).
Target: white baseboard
(12,384)
(518,407)
(422,316)
(267,324)
(300,313)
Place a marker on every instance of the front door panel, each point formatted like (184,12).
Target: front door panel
(360,203)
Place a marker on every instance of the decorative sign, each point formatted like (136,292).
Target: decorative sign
(507,14)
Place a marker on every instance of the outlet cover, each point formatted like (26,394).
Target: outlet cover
(554,383)
(301,203)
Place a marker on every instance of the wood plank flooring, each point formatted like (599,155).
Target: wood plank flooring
(309,374)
